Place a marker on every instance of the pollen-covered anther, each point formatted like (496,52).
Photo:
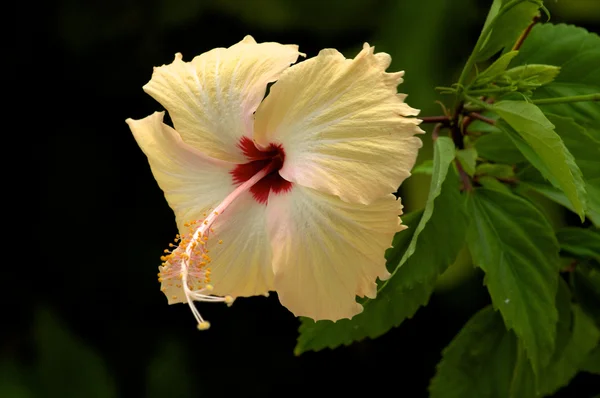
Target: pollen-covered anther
(188,261)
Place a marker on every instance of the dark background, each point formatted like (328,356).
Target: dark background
(90,319)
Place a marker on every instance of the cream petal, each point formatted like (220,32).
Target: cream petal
(342,125)
(327,251)
(241,265)
(192,182)
(212,99)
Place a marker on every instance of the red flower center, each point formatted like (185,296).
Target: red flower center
(258,160)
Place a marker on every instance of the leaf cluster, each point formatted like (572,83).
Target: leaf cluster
(525,125)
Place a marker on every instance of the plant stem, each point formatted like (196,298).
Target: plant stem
(436,131)
(435,119)
(478,116)
(479,103)
(525,33)
(564,100)
(466,180)
(491,90)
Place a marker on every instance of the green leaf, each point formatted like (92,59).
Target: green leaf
(494,70)
(532,74)
(66,366)
(443,155)
(514,244)
(525,383)
(479,126)
(468,159)
(486,361)
(592,363)
(580,242)
(424,168)
(557,196)
(583,339)
(565,319)
(498,147)
(15,380)
(584,148)
(580,143)
(492,183)
(478,362)
(495,170)
(416,265)
(585,281)
(544,148)
(577,52)
(507,27)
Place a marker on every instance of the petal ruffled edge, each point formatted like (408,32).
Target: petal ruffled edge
(327,251)
(342,125)
(212,99)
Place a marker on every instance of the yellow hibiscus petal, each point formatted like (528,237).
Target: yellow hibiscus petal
(212,99)
(342,125)
(192,182)
(327,251)
(239,249)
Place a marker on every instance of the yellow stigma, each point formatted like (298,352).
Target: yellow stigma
(204,325)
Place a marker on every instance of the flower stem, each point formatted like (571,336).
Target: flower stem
(564,100)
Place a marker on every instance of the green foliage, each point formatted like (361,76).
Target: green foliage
(532,75)
(424,168)
(521,274)
(580,242)
(584,149)
(66,366)
(539,143)
(523,78)
(415,268)
(585,281)
(501,171)
(505,23)
(592,363)
(498,147)
(577,53)
(468,159)
(487,361)
(494,70)
(478,362)
(13,380)
(536,92)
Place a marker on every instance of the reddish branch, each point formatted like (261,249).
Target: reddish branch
(436,119)
(525,33)
(478,116)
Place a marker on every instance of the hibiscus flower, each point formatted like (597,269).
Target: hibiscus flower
(291,192)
